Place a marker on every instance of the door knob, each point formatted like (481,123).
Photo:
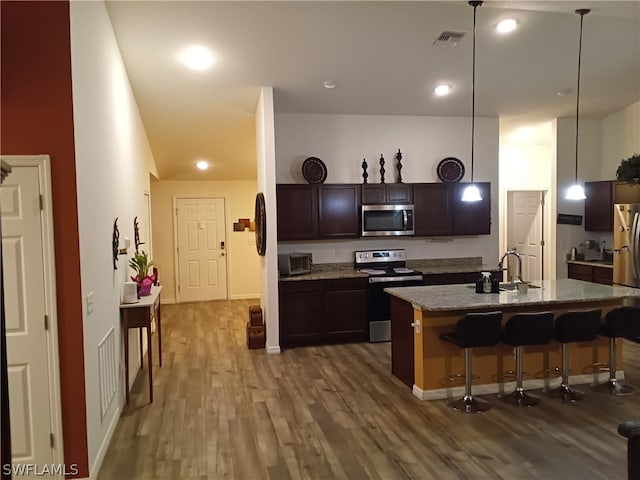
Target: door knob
(222,254)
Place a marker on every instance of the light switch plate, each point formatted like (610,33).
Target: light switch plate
(90,304)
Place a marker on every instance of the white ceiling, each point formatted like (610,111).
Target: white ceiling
(380,54)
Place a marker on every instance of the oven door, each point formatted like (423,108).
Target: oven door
(379,305)
(387,220)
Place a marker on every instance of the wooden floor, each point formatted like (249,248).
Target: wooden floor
(223,411)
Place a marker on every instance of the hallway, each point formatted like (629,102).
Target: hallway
(223,411)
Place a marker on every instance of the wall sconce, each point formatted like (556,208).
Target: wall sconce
(115,244)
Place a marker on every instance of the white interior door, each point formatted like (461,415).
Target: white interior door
(202,260)
(28,362)
(524,232)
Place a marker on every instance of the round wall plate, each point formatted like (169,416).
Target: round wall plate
(261,225)
(450,170)
(314,170)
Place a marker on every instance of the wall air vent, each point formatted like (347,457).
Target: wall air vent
(448,38)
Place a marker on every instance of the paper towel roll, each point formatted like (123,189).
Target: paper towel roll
(130,292)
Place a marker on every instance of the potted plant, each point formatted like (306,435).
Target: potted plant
(629,169)
(141,264)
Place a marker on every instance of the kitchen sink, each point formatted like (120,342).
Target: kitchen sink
(506,286)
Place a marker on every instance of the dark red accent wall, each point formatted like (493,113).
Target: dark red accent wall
(36,117)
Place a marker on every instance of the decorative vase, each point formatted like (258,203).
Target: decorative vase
(144,285)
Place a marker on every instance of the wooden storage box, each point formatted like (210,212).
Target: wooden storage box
(255,316)
(255,336)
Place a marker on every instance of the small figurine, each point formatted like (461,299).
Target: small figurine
(381,169)
(399,166)
(365,175)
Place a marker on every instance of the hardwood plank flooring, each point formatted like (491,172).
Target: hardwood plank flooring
(223,411)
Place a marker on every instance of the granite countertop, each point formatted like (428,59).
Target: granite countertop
(593,263)
(329,271)
(463,297)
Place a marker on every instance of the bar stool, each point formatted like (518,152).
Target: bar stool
(525,329)
(473,330)
(571,327)
(620,322)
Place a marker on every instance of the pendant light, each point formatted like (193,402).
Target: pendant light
(575,191)
(472,193)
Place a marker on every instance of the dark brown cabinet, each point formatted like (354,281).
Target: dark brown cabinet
(314,312)
(297,210)
(332,211)
(338,211)
(387,193)
(590,273)
(598,207)
(457,278)
(471,218)
(432,209)
(310,212)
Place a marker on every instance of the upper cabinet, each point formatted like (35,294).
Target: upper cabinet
(601,196)
(331,211)
(598,207)
(387,193)
(310,212)
(297,210)
(432,209)
(338,210)
(471,218)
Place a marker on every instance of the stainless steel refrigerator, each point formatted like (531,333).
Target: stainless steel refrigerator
(626,244)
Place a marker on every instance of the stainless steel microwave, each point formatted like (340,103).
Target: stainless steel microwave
(387,220)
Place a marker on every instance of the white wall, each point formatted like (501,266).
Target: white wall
(529,164)
(589,162)
(620,139)
(243,263)
(113,160)
(265,143)
(342,141)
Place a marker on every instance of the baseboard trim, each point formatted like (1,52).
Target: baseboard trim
(273,350)
(167,301)
(97,464)
(491,388)
(245,296)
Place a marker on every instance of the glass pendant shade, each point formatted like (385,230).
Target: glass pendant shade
(575,192)
(471,194)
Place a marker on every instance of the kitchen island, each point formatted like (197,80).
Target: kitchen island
(424,362)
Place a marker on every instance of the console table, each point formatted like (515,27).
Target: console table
(140,315)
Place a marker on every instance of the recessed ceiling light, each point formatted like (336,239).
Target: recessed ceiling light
(329,84)
(563,92)
(507,25)
(197,57)
(442,90)
(202,165)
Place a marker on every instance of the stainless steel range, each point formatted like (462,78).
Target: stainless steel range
(386,268)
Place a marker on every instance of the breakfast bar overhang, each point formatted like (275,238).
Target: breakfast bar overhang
(427,364)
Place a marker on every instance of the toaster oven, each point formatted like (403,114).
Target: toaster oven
(295,263)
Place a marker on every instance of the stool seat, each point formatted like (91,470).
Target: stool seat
(571,327)
(620,322)
(524,329)
(473,330)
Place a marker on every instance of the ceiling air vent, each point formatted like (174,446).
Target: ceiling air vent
(449,39)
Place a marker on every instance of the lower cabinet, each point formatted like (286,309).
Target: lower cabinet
(314,312)
(457,278)
(590,273)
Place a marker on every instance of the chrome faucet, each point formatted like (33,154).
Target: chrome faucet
(517,255)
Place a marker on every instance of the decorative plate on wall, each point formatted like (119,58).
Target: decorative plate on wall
(261,225)
(314,170)
(450,170)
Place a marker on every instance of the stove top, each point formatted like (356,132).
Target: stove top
(385,265)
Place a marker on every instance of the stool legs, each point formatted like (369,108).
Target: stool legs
(469,404)
(564,391)
(612,386)
(520,398)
